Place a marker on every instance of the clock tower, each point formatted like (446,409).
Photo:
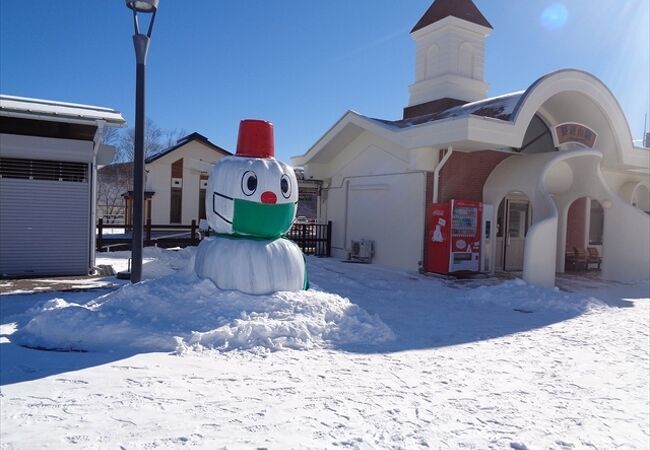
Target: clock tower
(450,52)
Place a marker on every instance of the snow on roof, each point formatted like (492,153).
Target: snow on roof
(502,107)
(48,109)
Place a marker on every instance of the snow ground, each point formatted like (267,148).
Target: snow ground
(437,364)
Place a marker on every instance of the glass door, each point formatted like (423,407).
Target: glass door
(518,221)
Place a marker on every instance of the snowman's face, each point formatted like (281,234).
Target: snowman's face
(251,196)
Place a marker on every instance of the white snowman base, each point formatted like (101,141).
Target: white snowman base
(251,266)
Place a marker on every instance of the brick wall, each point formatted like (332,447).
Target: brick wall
(575,228)
(464,175)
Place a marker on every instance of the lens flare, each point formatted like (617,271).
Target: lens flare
(554,16)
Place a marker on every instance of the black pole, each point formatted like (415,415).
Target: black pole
(141,44)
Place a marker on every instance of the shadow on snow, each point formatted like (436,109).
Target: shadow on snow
(19,364)
(441,313)
(422,312)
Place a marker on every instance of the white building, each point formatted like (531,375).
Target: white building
(554,164)
(49,154)
(176,179)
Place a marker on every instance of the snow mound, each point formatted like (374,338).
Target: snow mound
(184,313)
(517,294)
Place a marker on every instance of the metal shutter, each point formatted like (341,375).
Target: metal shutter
(44,218)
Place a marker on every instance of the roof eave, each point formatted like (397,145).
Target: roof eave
(32,108)
(173,148)
(349,118)
(114,121)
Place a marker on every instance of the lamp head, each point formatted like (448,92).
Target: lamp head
(143,6)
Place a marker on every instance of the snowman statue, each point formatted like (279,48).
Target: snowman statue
(251,202)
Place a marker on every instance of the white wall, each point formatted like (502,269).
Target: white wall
(631,187)
(50,149)
(372,194)
(641,198)
(159,181)
(449,61)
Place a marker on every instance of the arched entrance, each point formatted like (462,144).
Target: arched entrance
(584,235)
(552,182)
(514,217)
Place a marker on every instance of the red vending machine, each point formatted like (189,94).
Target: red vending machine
(454,240)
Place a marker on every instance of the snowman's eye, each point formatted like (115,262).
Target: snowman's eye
(285,186)
(249,183)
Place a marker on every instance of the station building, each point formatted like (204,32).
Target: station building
(553,166)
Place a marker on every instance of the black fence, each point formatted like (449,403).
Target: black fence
(312,238)
(165,236)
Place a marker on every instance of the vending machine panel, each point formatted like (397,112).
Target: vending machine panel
(454,238)
(465,236)
(438,239)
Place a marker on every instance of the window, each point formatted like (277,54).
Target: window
(596,220)
(466,60)
(517,220)
(538,137)
(176,205)
(33,169)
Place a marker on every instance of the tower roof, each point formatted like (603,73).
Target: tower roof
(462,9)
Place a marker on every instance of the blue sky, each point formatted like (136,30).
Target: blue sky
(301,64)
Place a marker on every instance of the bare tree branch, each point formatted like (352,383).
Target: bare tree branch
(154,141)
(116,179)
(112,182)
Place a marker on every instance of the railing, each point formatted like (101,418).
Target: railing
(312,238)
(165,236)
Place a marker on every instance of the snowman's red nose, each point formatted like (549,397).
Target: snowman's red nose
(269,197)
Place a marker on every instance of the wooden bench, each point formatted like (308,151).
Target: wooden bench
(570,259)
(581,258)
(593,257)
(578,258)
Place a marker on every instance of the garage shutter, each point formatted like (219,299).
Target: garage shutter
(44,217)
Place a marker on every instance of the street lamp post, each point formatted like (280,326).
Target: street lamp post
(141,44)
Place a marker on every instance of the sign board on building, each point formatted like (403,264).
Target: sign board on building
(575,132)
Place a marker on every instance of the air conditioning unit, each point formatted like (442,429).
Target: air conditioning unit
(177,182)
(362,250)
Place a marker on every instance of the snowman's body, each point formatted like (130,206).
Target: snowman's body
(252,266)
(251,201)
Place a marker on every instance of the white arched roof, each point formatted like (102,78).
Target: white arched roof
(574,81)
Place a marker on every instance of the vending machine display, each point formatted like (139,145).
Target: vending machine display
(454,240)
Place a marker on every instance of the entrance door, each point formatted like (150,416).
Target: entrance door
(517,227)
(513,221)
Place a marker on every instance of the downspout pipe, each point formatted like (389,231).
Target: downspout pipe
(97,142)
(436,172)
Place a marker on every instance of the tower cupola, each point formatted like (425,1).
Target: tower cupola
(450,52)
